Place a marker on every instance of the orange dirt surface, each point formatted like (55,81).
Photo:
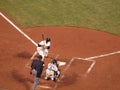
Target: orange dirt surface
(67,43)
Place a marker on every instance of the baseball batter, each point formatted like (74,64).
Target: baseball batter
(43,48)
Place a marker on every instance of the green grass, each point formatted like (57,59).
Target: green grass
(101,15)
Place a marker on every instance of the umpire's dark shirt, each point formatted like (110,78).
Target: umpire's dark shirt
(38,65)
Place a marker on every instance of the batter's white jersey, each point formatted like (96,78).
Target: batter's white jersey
(44,43)
(41,50)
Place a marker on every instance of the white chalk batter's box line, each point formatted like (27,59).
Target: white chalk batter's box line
(87,59)
(77,58)
(90,59)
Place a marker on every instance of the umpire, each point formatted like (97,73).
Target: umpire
(36,70)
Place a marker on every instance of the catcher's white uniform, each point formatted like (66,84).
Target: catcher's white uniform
(52,72)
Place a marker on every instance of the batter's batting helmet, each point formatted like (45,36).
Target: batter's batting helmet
(48,39)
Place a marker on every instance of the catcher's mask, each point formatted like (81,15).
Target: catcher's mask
(54,61)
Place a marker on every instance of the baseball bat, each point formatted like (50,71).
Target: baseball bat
(43,36)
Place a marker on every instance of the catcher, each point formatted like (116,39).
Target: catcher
(52,71)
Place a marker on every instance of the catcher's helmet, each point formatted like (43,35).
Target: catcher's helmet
(54,61)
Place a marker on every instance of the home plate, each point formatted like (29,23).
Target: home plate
(61,63)
(44,86)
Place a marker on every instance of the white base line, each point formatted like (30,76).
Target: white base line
(100,56)
(18,29)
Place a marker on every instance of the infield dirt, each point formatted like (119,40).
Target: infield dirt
(68,42)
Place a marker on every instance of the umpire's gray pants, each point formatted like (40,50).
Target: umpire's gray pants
(36,79)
